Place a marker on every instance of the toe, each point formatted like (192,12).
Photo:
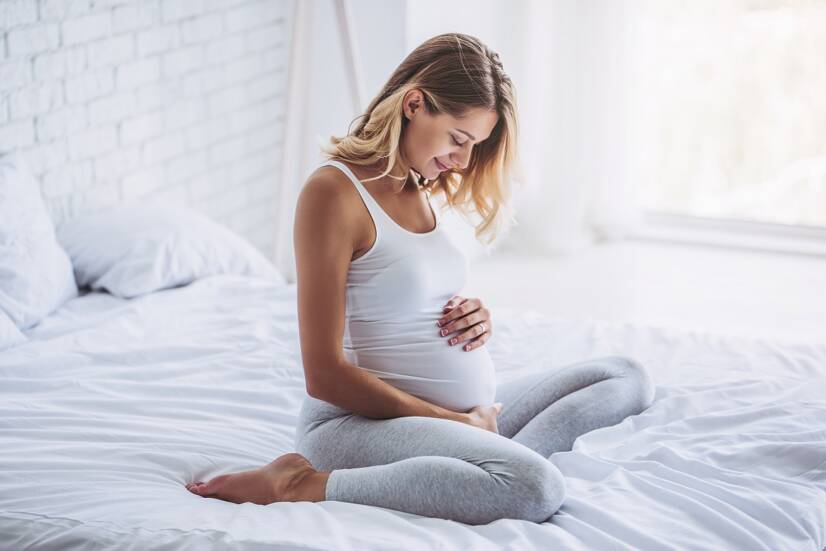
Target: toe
(215,484)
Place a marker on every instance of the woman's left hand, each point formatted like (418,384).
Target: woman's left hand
(469,316)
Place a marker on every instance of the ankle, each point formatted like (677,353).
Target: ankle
(310,485)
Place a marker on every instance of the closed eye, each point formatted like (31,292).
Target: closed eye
(454,141)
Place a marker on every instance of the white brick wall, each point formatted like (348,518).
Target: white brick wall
(119,100)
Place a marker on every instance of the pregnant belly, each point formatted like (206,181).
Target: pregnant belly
(416,359)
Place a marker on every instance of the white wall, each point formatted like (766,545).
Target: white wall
(120,100)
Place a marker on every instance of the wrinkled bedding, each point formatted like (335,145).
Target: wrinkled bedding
(112,405)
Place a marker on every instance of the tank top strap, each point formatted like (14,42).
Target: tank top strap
(376,211)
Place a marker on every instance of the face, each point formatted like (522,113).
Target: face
(433,144)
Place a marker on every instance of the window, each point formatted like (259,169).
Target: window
(731,108)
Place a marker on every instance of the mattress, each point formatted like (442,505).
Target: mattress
(113,405)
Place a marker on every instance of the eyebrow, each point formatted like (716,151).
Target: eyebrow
(468,134)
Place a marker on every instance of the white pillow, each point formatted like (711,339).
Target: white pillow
(35,273)
(10,335)
(132,250)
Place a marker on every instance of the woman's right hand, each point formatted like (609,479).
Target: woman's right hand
(484,417)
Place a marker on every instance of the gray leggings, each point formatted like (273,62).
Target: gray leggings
(440,468)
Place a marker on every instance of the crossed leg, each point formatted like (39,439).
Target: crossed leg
(440,468)
(548,411)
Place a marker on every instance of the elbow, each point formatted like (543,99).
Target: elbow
(312,390)
(316,380)
(311,386)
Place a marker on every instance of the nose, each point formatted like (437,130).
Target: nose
(462,158)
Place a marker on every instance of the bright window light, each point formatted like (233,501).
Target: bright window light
(731,103)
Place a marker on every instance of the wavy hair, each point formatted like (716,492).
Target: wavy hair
(454,72)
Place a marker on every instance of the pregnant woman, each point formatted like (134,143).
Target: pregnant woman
(403,409)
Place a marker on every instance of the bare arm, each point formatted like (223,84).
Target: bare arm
(365,394)
(325,239)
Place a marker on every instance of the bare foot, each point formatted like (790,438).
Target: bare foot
(280,480)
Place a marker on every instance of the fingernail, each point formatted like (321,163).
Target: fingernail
(452,341)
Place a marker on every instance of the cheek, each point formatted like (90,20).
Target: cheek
(425,147)
(427,142)
(437,146)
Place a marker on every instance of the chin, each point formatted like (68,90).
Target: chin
(430,175)
(436,171)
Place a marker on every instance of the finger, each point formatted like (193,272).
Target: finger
(466,320)
(476,343)
(454,300)
(460,310)
(451,303)
(471,333)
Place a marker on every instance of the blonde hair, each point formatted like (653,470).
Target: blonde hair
(454,72)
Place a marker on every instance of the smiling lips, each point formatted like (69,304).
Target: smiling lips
(440,165)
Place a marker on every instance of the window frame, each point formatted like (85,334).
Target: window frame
(798,239)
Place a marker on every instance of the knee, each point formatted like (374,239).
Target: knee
(540,491)
(644,384)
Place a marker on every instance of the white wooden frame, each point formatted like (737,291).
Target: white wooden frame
(723,232)
(296,134)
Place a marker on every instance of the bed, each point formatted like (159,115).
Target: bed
(111,405)
(143,348)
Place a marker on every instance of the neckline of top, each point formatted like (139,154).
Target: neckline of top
(349,173)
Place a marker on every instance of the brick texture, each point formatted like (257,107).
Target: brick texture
(118,100)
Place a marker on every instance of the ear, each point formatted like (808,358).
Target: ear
(413,103)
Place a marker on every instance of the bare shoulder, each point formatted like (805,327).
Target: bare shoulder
(328,187)
(329,174)
(328,193)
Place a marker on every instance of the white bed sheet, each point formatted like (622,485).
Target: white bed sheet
(113,405)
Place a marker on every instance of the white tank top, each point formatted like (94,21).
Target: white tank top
(395,294)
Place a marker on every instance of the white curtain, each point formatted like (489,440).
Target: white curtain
(575,93)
